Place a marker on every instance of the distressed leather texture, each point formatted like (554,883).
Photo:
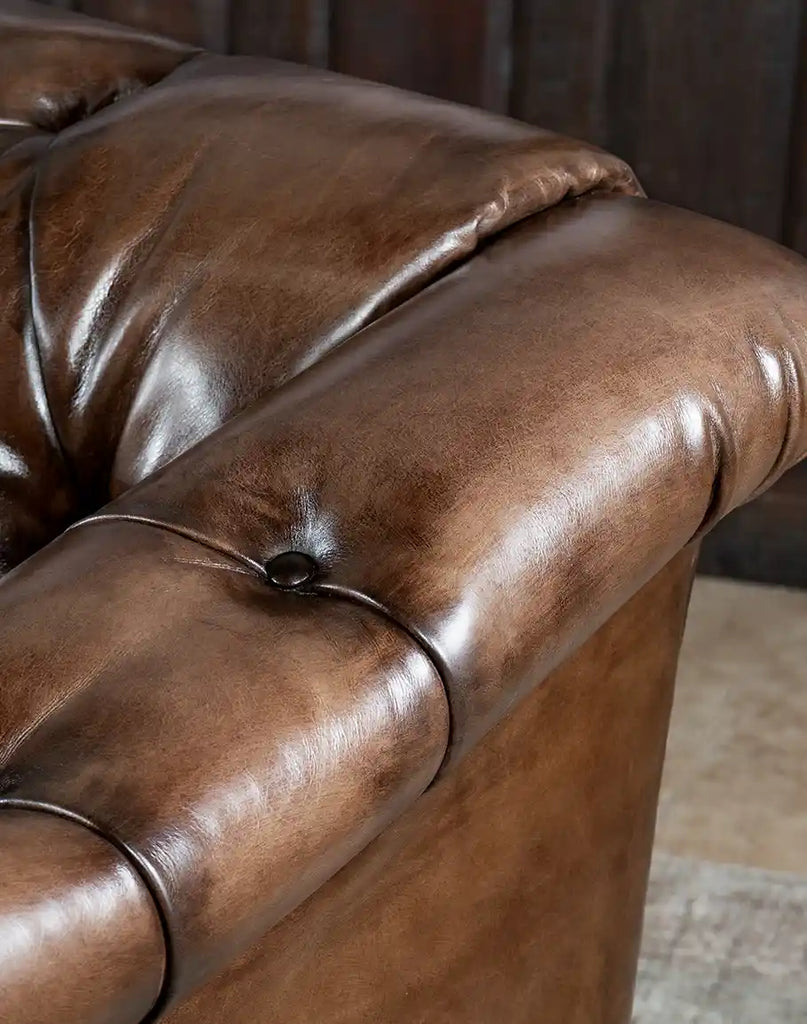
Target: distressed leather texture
(493,394)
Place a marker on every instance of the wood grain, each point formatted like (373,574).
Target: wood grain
(700,102)
(561,53)
(199,22)
(457,49)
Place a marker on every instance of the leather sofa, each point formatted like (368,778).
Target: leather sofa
(355,448)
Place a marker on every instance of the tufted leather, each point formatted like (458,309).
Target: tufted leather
(164,322)
(513,890)
(485,388)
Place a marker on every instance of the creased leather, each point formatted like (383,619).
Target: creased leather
(502,461)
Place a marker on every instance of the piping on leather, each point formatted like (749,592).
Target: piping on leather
(334,590)
(150,882)
(328,590)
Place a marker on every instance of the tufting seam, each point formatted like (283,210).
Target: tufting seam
(79,113)
(50,425)
(321,589)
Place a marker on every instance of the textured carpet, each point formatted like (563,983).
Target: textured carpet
(723,944)
(725,939)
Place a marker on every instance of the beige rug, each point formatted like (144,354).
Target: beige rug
(723,944)
(725,939)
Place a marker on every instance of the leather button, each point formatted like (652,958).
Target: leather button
(291,569)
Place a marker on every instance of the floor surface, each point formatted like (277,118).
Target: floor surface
(726,925)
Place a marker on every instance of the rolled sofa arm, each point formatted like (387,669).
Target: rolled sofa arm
(505,459)
(471,486)
(81,939)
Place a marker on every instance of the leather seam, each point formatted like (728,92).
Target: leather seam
(142,870)
(345,593)
(332,590)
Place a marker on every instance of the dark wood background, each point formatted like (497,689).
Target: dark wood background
(707,99)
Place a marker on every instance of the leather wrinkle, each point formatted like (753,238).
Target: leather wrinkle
(53,428)
(80,114)
(481,242)
(140,867)
(795,387)
(56,136)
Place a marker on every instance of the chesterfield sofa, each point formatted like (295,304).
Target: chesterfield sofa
(355,449)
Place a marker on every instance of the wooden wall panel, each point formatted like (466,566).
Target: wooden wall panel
(794,221)
(200,22)
(765,541)
(456,49)
(700,102)
(296,30)
(560,61)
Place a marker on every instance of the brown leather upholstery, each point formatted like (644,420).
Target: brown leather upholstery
(514,889)
(80,938)
(487,390)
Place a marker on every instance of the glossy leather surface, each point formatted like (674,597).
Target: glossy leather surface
(79,936)
(195,244)
(239,743)
(513,890)
(486,392)
(502,461)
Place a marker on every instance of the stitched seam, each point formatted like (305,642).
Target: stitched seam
(139,866)
(336,590)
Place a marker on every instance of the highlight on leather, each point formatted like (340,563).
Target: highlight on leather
(81,937)
(240,744)
(485,389)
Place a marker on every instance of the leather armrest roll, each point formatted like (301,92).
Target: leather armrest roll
(81,937)
(397,401)
(238,743)
(501,462)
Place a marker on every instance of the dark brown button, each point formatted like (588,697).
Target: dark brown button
(291,569)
